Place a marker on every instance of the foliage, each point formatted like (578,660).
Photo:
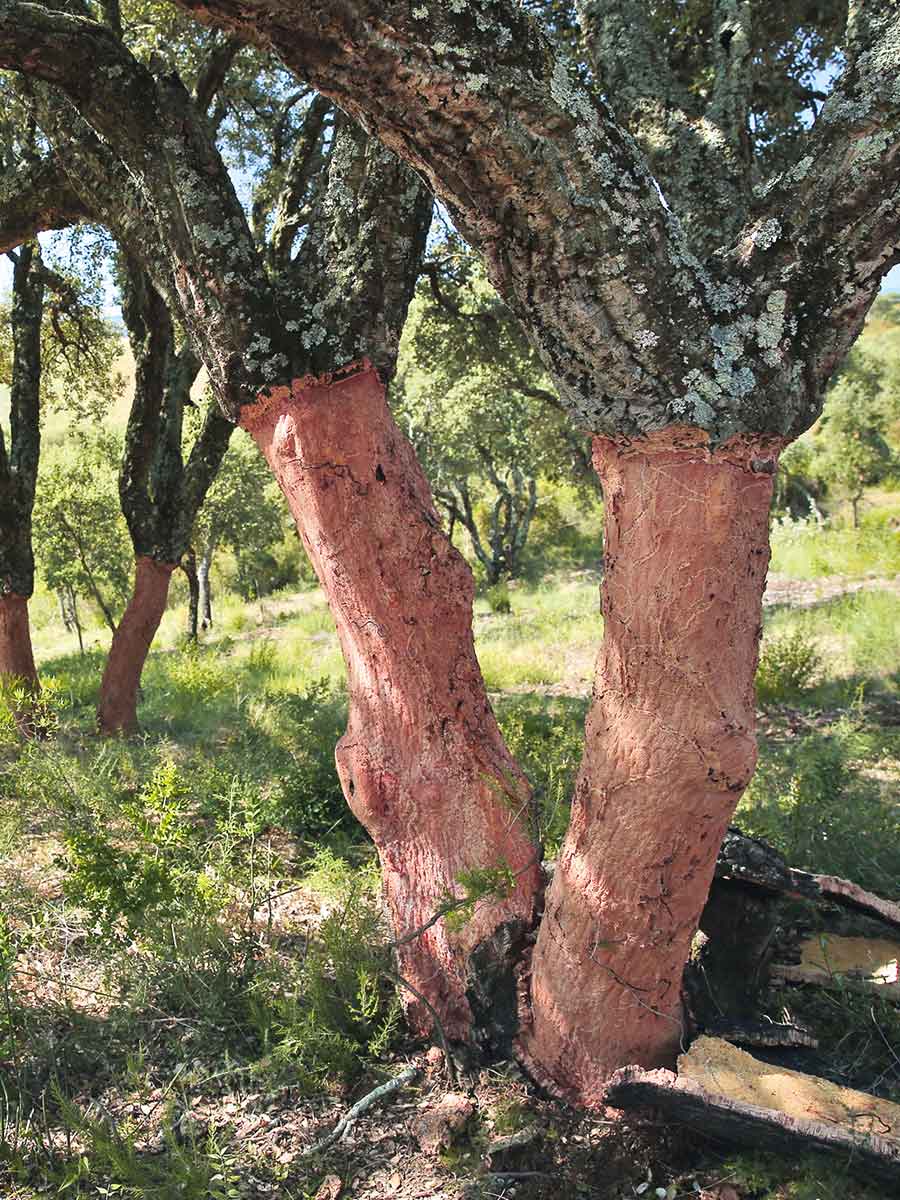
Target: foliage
(810,802)
(851,453)
(499,598)
(546,738)
(788,665)
(244,510)
(80,537)
(480,411)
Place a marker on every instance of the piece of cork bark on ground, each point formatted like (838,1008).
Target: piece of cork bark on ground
(727,1093)
(859,963)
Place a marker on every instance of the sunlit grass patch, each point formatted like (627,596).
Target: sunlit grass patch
(805,550)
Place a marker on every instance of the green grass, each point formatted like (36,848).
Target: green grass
(804,550)
(153,861)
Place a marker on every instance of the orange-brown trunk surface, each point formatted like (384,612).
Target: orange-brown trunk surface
(422,764)
(669,748)
(131,642)
(16,656)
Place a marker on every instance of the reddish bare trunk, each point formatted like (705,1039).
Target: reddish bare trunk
(669,748)
(131,644)
(16,657)
(422,764)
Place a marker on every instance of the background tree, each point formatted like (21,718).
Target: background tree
(56,352)
(850,449)
(480,411)
(242,510)
(80,537)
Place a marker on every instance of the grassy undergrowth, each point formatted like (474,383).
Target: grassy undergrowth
(190,917)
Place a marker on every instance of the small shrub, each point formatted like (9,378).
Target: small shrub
(499,599)
(546,738)
(310,801)
(263,657)
(339,1007)
(788,666)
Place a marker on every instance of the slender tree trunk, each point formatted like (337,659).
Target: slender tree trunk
(189,566)
(16,658)
(422,764)
(203,570)
(130,645)
(669,748)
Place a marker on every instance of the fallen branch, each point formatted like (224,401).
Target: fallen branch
(361,1106)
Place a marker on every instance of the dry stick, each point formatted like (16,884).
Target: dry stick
(442,1037)
(361,1106)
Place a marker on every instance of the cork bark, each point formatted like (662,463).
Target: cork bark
(422,764)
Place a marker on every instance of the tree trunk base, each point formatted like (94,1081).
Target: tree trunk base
(117,712)
(422,764)
(17,667)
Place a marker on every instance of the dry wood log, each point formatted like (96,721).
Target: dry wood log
(751,861)
(726,1093)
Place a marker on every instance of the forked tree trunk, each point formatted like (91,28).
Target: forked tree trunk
(422,764)
(16,657)
(131,642)
(669,748)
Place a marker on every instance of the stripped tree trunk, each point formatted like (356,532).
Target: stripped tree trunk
(131,642)
(422,764)
(669,749)
(17,667)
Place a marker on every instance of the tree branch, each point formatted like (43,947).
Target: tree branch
(163,142)
(36,197)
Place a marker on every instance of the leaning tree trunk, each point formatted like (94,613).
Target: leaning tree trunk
(669,748)
(422,764)
(131,642)
(17,667)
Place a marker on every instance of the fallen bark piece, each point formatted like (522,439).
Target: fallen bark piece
(762,1033)
(861,964)
(437,1127)
(749,860)
(727,1093)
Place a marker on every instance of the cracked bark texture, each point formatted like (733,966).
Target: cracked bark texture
(639,328)
(669,748)
(422,764)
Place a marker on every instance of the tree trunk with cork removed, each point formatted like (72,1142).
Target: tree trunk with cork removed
(117,711)
(669,749)
(422,764)
(17,667)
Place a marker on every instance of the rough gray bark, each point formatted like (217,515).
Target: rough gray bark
(19,464)
(637,331)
